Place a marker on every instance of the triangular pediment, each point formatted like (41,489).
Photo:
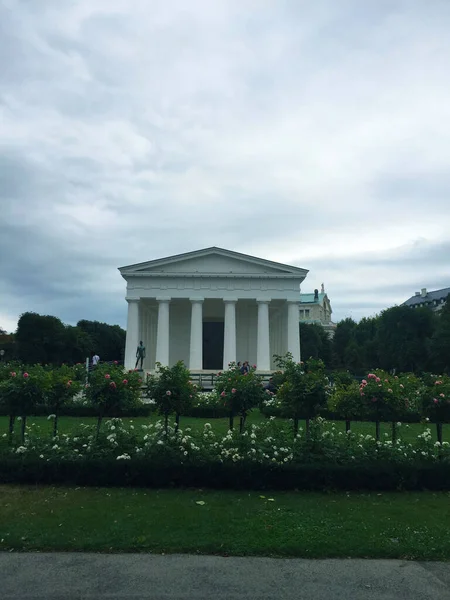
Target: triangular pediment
(213,261)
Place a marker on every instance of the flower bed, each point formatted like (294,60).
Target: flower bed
(262,456)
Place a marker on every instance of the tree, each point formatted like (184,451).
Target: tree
(315,342)
(440,342)
(108,341)
(403,338)
(40,339)
(343,335)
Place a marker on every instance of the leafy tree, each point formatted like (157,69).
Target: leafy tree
(402,338)
(40,339)
(108,341)
(440,341)
(342,337)
(315,342)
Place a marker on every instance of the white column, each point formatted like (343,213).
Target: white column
(162,335)
(196,347)
(229,342)
(293,330)
(263,339)
(132,339)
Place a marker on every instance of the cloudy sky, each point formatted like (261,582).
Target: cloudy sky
(311,133)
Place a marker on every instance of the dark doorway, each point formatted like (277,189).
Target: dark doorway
(213,344)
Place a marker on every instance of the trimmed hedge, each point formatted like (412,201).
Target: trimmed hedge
(78,410)
(144,473)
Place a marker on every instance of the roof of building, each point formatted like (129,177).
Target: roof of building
(428,297)
(309,298)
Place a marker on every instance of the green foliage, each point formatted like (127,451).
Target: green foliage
(108,341)
(346,402)
(24,389)
(315,342)
(171,389)
(111,390)
(239,392)
(436,399)
(303,391)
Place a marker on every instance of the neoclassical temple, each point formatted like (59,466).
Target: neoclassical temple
(211,307)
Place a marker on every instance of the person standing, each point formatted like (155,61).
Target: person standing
(95,360)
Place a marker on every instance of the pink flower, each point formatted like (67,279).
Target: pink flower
(437,382)
(107,376)
(13,373)
(125,381)
(386,380)
(377,379)
(140,380)
(374,399)
(168,393)
(254,367)
(86,385)
(223,394)
(112,385)
(435,400)
(219,373)
(25,375)
(116,362)
(190,395)
(364,382)
(371,376)
(69,383)
(442,395)
(233,390)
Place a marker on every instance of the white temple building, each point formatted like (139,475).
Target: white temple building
(212,307)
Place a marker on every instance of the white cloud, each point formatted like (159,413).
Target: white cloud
(314,133)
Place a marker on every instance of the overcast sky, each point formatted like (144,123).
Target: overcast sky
(310,133)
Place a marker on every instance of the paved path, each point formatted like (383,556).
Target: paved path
(137,576)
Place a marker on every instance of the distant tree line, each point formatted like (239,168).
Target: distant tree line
(47,340)
(400,338)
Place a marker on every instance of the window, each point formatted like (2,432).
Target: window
(302,313)
(307,313)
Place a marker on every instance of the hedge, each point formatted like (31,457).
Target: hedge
(140,472)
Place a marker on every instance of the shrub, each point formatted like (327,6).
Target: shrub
(303,392)
(112,391)
(240,392)
(172,390)
(22,391)
(63,387)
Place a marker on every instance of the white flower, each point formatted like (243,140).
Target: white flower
(19,418)
(21,450)
(41,456)
(160,442)
(124,457)
(51,417)
(4,435)
(55,447)
(185,453)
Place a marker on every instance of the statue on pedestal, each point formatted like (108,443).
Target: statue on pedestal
(140,354)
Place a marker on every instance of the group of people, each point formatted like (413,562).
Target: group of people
(245,368)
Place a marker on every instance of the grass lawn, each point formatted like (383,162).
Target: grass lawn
(388,525)
(70,425)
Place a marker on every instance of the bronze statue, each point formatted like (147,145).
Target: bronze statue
(140,354)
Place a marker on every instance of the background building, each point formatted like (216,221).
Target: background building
(316,308)
(434,300)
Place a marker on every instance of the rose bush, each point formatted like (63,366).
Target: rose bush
(172,390)
(240,392)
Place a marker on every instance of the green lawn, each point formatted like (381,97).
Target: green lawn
(70,424)
(388,525)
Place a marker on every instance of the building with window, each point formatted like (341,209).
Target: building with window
(434,300)
(316,308)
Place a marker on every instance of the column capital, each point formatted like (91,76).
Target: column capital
(293,302)
(163,298)
(263,300)
(129,300)
(230,300)
(197,299)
